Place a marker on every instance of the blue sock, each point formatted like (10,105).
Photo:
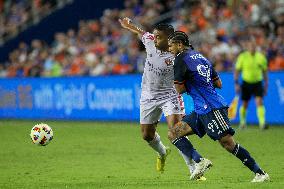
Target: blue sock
(185,146)
(247,160)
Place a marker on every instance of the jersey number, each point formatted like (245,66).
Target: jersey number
(204,70)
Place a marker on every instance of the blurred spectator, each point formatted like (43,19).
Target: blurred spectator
(17,15)
(217,28)
(3,71)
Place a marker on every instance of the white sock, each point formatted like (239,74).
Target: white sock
(189,162)
(157,145)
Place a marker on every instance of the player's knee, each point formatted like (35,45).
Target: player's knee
(148,136)
(228,143)
(225,145)
(148,132)
(245,104)
(259,101)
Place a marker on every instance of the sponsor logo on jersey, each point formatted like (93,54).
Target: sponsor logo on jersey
(169,61)
(151,37)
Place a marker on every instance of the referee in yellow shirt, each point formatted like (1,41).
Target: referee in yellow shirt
(253,67)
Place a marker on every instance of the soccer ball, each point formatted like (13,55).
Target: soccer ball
(41,134)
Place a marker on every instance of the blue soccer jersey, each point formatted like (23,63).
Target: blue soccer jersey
(196,72)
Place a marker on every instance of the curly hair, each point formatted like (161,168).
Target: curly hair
(182,37)
(166,28)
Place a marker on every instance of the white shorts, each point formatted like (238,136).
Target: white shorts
(151,110)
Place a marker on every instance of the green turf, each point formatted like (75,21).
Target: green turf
(113,155)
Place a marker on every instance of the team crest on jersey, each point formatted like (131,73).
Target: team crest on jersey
(169,61)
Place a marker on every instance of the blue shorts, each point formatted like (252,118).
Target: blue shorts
(215,123)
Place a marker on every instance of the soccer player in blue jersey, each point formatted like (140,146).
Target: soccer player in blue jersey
(194,74)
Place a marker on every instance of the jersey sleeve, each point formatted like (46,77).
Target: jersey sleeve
(214,75)
(148,41)
(179,70)
(239,63)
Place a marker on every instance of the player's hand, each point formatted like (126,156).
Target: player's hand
(237,88)
(125,22)
(265,91)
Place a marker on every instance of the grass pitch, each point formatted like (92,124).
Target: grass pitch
(113,155)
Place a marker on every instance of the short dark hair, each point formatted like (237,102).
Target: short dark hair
(164,27)
(182,37)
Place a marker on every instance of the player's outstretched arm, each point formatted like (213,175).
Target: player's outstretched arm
(265,77)
(236,81)
(127,24)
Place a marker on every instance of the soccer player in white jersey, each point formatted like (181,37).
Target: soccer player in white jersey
(158,93)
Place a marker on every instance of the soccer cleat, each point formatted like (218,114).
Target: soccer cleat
(261,177)
(201,178)
(242,126)
(161,161)
(263,127)
(201,168)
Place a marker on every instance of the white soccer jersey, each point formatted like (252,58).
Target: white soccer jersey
(158,76)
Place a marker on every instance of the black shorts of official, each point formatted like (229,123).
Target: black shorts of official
(251,89)
(215,123)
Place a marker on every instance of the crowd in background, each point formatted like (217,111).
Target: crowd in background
(17,15)
(217,28)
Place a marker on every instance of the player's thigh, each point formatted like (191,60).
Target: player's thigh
(246,91)
(258,89)
(195,126)
(173,109)
(217,124)
(150,113)
(173,119)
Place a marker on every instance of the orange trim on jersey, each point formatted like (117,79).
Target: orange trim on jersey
(180,83)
